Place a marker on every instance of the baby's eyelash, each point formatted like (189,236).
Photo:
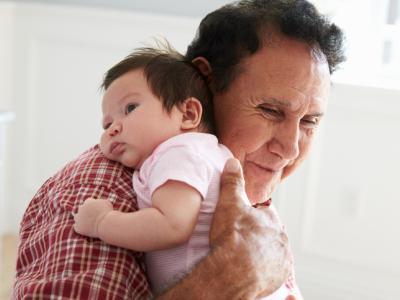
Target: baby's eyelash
(130,107)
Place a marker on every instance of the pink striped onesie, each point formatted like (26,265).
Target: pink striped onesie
(196,159)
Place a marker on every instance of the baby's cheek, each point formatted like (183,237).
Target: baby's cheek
(102,145)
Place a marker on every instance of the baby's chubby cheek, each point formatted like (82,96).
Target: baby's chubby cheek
(103,149)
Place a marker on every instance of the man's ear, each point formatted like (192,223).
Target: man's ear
(203,65)
(192,111)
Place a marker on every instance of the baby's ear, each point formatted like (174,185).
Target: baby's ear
(191,113)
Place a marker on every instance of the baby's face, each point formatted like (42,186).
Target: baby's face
(134,120)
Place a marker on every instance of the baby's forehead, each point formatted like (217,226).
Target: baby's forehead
(118,99)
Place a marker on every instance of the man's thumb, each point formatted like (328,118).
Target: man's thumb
(232,181)
(232,165)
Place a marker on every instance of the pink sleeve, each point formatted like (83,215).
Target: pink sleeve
(180,164)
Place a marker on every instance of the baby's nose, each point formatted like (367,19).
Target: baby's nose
(115,128)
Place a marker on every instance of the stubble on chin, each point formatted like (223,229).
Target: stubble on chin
(259,191)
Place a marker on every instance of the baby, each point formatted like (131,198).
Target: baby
(157,111)
(158,119)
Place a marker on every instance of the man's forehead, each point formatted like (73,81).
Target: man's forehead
(283,93)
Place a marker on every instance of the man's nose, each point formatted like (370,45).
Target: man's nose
(285,142)
(115,128)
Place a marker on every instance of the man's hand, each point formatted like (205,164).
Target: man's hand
(249,255)
(89,216)
(253,238)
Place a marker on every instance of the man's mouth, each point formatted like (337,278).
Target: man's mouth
(268,168)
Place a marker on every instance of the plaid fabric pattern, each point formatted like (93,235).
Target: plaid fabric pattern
(53,261)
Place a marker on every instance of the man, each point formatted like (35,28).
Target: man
(268,64)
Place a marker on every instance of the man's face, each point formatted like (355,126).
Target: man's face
(268,115)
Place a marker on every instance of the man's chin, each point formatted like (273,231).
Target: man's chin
(257,196)
(259,192)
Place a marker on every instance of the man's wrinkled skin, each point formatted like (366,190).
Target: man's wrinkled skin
(244,232)
(269,114)
(267,117)
(251,233)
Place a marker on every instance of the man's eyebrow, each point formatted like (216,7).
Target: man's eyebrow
(277,102)
(315,115)
(287,104)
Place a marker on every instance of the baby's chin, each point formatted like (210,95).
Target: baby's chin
(110,157)
(131,163)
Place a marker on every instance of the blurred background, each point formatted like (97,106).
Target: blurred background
(342,207)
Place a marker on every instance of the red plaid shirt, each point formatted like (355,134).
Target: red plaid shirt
(53,261)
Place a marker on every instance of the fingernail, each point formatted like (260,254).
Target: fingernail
(232,165)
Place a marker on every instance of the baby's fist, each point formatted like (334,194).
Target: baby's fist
(89,216)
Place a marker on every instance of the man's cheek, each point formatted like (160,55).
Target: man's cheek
(291,167)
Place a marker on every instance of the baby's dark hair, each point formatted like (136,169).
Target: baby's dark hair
(170,77)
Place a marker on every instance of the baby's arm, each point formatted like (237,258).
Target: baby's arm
(169,223)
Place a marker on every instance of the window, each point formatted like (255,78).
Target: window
(372,30)
(391,40)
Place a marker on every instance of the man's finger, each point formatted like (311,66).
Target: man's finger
(232,181)
(233,166)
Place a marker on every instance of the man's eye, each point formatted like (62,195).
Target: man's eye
(312,122)
(130,107)
(271,112)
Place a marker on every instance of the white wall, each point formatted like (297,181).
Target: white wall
(192,8)
(340,208)
(59,56)
(6,100)
(6,54)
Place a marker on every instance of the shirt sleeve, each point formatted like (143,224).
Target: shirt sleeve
(53,261)
(181,164)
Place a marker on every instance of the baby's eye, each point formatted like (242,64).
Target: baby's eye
(106,126)
(130,107)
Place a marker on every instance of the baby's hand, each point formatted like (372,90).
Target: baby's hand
(89,216)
